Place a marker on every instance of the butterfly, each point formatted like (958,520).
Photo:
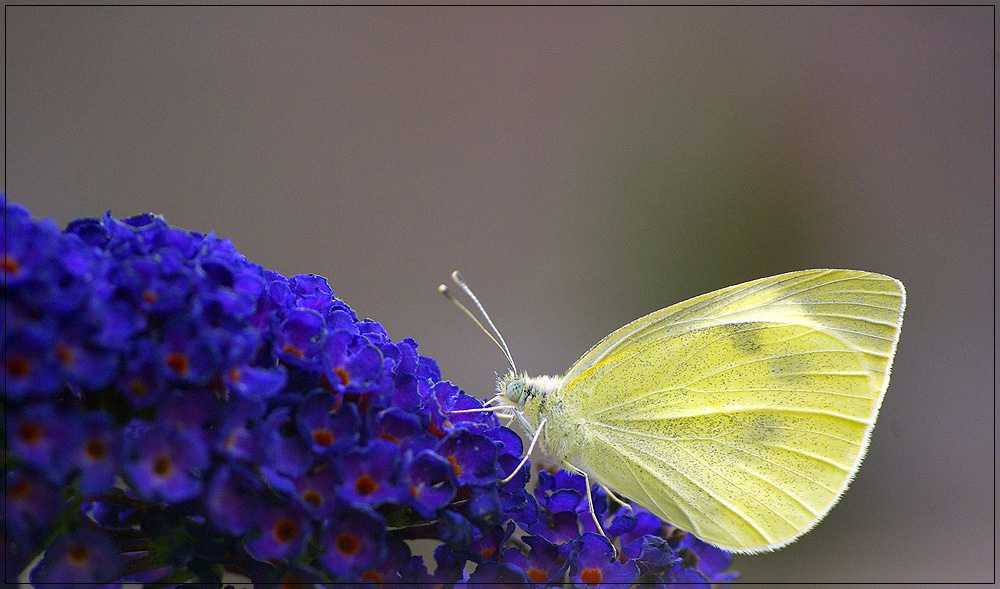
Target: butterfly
(740,416)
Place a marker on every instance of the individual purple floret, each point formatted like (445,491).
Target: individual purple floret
(233,499)
(281,534)
(353,542)
(98,453)
(595,565)
(164,463)
(430,482)
(78,558)
(369,474)
(40,435)
(545,562)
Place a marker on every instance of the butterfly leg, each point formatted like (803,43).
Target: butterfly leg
(534,440)
(617,498)
(496,410)
(593,512)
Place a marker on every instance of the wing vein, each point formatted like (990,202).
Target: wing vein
(708,491)
(715,496)
(691,522)
(781,390)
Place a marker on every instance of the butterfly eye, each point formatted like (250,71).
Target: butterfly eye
(515,390)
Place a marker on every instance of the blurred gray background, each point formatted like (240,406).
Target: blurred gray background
(582,167)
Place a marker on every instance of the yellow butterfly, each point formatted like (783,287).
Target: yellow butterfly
(740,415)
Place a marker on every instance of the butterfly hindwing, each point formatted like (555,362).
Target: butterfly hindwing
(743,414)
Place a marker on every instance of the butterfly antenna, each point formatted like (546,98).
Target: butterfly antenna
(499,342)
(506,351)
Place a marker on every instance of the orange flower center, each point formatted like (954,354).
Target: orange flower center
(365,485)
(536,575)
(292,351)
(455,465)
(96,449)
(591,576)
(285,530)
(372,576)
(162,465)
(10,264)
(30,432)
(178,363)
(323,437)
(348,545)
(18,366)
(78,554)
(313,497)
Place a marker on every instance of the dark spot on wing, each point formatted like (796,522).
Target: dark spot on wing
(744,337)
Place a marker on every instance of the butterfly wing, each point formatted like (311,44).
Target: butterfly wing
(741,415)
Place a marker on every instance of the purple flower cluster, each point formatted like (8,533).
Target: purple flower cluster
(173,412)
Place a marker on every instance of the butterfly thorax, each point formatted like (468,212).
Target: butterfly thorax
(534,398)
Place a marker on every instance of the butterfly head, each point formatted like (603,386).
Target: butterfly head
(526,397)
(519,389)
(512,388)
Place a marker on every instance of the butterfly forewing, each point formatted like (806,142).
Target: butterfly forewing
(743,414)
